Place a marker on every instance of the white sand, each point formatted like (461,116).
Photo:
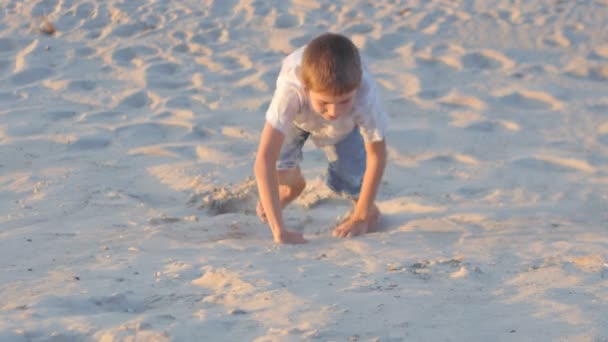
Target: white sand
(127,140)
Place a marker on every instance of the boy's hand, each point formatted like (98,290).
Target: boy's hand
(350,228)
(290,237)
(354,225)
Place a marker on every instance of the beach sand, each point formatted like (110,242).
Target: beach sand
(127,203)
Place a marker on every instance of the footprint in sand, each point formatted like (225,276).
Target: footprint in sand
(165,75)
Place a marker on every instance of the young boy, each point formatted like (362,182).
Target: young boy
(323,92)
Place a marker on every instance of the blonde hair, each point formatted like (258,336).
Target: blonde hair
(331,65)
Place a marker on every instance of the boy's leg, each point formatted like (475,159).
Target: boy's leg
(290,179)
(291,185)
(347,161)
(346,165)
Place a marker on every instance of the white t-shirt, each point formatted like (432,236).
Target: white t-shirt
(290,107)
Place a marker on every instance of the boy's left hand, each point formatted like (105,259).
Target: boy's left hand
(354,225)
(350,228)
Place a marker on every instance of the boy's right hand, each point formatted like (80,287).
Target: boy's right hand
(290,237)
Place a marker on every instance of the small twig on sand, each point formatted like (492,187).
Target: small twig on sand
(47,27)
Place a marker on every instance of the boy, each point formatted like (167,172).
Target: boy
(323,91)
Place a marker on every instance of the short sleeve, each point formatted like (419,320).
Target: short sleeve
(371,117)
(285,104)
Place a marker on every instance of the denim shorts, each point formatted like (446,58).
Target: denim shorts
(346,160)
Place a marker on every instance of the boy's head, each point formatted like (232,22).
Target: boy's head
(331,73)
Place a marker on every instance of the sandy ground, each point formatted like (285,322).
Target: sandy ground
(127,140)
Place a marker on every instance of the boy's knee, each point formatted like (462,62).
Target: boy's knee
(297,188)
(292,178)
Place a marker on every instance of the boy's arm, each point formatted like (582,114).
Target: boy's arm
(268,185)
(374,169)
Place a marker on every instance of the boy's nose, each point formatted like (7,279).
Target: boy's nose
(331,110)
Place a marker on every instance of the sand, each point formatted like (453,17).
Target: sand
(127,203)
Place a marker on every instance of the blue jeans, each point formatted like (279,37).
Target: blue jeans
(346,160)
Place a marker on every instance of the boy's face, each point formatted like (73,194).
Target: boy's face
(332,107)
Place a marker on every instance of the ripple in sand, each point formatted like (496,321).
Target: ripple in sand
(44,7)
(31,75)
(554,164)
(103,117)
(10,96)
(81,85)
(600,52)
(603,131)
(490,126)
(61,115)
(129,30)
(139,99)
(459,101)
(149,133)
(285,21)
(125,56)
(83,305)
(359,28)
(487,59)
(23,129)
(7,45)
(90,143)
(85,10)
(5,66)
(439,65)
(530,100)
(164,76)
(85,51)
(429,22)
(584,70)
(209,38)
(164,69)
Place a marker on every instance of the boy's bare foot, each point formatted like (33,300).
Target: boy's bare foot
(350,228)
(290,237)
